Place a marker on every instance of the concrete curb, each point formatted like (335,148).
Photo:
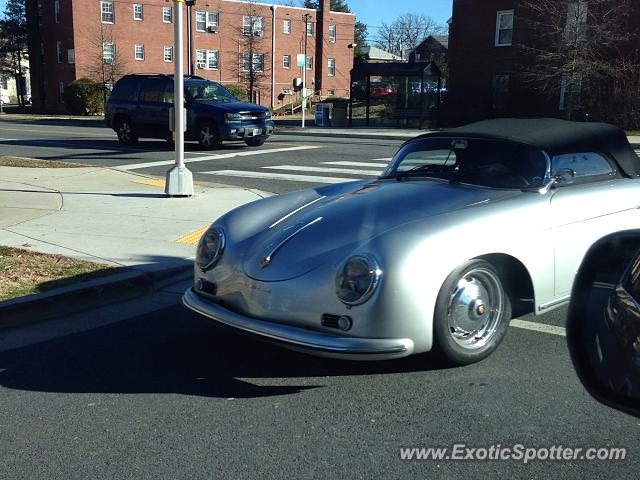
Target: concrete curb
(87,295)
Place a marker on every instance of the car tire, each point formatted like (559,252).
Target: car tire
(208,136)
(472,314)
(126,132)
(255,142)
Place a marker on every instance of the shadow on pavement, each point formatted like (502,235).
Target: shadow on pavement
(176,351)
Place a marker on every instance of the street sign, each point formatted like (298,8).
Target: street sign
(301,60)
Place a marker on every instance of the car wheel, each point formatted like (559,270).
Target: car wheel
(126,132)
(208,136)
(255,142)
(472,313)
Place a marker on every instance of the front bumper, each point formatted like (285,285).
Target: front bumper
(242,131)
(309,341)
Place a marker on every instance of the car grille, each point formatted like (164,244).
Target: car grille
(329,320)
(253,117)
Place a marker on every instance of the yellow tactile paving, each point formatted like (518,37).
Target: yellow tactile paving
(153,183)
(194,237)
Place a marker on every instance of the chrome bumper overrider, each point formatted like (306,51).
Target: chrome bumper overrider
(309,341)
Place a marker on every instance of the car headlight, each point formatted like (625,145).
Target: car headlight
(267,116)
(357,279)
(233,117)
(210,248)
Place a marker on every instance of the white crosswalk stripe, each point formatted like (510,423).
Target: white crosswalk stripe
(357,164)
(279,176)
(348,171)
(637,151)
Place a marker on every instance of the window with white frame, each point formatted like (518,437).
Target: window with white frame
(207,59)
(4,82)
(167,15)
(331,67)
(71,56)
(309,29)
(309,62)
(286,26)
(61,92)
(138,11)
(107,14)
(59,52)
(332,33)
(286,61)
(570,92)
(213,20)
(331,92)
(577,15)
(258,62)
(108,53)
(168,54)
(206,21)
(138,52)
(504,28)
(56,11)
(252,25)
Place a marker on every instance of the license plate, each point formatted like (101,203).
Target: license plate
(257,132)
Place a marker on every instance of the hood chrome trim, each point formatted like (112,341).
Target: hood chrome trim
(267,259)
(296,211)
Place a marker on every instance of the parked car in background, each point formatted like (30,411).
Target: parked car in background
(26,99)
(139,106)
(4,99)
(383,89)
(464,227)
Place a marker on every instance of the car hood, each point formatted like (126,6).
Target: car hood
(232,107)
(333,225)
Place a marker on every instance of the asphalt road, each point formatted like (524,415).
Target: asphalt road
(169,395)
(285,163)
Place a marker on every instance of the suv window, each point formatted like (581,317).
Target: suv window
(584,164)
(152,90)
(124,90)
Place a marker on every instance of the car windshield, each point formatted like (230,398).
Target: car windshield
(208,92)
(483,162)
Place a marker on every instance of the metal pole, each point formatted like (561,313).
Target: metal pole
(189,38)
(304,69)
(179,180)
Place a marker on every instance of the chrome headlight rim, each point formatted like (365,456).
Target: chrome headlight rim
(213,259)
(375,274)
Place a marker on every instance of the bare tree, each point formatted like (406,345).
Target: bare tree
(106,64)
(252,49)
(576,46)
(406,32)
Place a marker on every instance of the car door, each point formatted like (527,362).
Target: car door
(598,203)
(151,115)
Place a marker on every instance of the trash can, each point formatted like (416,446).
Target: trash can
(339,117)
(322,115)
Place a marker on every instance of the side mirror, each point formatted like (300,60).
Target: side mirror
(603,325)
(562,177)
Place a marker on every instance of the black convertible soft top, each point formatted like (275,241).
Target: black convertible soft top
(557,137)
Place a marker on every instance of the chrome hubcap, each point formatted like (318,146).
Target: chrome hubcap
(125,131)
(475,308)
(206,136)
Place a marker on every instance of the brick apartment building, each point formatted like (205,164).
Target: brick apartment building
(68,37)
(485,60)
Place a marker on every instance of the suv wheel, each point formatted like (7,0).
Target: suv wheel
(126,132)
(208,136)
(255,142)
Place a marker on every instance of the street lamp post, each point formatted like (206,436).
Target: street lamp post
(304,68)
(190,4)
(179,180)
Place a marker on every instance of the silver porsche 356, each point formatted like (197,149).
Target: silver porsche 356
(464,227)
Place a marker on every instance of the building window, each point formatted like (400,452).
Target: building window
(286,61)
(577,15)
(107,15)
(168,54)
(59,52)
(71,56)
(56,10)
(138,52)
(570,92)
(331,92)
(332,33)
(500,92)
(252,25)
(206,21)
(138,12)
(258,62)
(504,28)
(286,26)
(331,67)
(108,53)
(167,14)
(4,82)
(309,29)
(61,92)
(309,62)
(207,59)
(213,20)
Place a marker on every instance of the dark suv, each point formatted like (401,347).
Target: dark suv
(139,106)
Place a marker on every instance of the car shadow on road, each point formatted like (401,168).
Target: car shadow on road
(176,351)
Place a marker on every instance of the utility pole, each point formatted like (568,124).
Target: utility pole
(179,180)
(304,68)
(190,4)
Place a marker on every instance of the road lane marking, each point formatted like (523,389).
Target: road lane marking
(192,238)
(152,182)
(278,176)
(136,166)
(539,327)
(357,164)
(302,168)
(8,139)
(381,159)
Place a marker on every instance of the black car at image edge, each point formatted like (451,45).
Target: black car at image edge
(140,105)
